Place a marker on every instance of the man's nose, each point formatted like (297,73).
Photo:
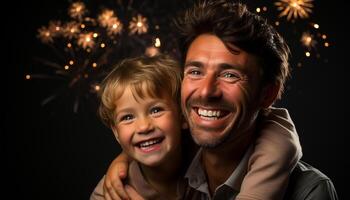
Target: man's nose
(210,87)
(144,125)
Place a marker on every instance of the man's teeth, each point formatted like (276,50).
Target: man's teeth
(149,143)
(209,113)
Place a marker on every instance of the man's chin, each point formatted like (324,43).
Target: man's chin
(208,142)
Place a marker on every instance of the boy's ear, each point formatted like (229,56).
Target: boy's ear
(115,133)
(269,94)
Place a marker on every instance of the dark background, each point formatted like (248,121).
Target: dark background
(53,153)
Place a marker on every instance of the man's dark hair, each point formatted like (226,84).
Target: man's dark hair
(234,24)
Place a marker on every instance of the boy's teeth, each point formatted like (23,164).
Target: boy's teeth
(209,113)
(149,143)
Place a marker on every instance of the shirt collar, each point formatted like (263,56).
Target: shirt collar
(197,178)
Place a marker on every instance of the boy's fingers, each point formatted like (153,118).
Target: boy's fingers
(118,188)
(132,193)
(109,192)
(107,197)
(114,195)
(122,170)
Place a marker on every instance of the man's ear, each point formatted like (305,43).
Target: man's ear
(184,124)
(114,129)
(269,94)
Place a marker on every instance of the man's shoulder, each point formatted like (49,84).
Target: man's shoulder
(307,182)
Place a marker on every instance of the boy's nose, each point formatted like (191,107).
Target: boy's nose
(144,126)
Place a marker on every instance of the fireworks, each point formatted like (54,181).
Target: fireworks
(45,35)
(308,40)
(108,20)
(71,30)
(138,25)
(77,10)
(87,47)
(294,8)
(86,40)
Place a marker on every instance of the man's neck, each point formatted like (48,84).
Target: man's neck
(220,162)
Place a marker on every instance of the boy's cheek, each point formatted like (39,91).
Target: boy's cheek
(115,132)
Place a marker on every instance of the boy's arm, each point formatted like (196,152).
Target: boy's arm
(117,172)
(97,194)
(277,151)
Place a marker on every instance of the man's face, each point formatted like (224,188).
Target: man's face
(220,90)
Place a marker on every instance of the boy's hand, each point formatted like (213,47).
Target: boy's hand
(132,193)
(113,186)
(114,190)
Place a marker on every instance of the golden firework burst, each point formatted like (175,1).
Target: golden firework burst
(77,10)
(71,29)
(45,35)
(106,17)
(86,40)
(138,25)
(308,40)
(294,9)
(110,21)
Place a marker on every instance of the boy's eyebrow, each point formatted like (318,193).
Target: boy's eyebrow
(127,109)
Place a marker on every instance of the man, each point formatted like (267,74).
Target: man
(235,65)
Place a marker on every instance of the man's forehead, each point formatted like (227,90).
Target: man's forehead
(207,42)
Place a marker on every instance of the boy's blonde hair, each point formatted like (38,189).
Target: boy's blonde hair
(146,76)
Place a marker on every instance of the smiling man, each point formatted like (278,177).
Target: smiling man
(235,67)
(221,100)
(219,91)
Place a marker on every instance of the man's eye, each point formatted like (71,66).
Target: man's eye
(127,117)
(229,75)
(192,71)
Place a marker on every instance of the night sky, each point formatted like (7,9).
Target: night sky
(52,152)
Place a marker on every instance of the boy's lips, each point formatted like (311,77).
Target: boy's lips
(150,144)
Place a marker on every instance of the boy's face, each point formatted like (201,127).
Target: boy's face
(220,91)
(148,129)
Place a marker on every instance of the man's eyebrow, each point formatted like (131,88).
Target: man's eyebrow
(193,63)
(227,66)
(222,66)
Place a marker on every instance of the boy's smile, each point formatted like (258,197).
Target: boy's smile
(147,128)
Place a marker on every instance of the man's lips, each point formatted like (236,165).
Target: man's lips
(210,113)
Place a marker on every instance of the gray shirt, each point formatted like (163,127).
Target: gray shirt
(228,190)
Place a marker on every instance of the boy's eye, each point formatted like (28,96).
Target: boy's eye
(195,72)
(127,117)
(156,110)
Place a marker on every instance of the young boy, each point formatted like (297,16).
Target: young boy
(140,102)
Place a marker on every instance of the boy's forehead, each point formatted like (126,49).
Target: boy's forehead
(142,91)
